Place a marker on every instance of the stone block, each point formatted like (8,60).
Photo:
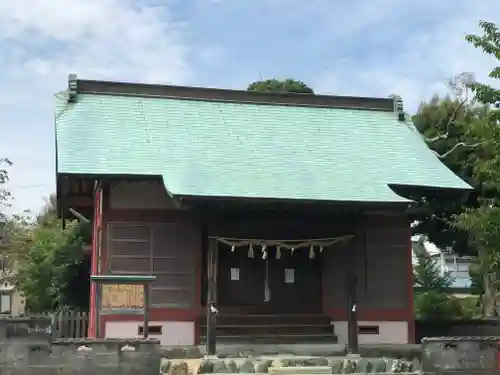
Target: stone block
(165,365)
(379,365)
(206,367)
(459,353)
(16,329)
(406,351)
(262,365)
(300,370)
(336,364)
(247,367)
(349,366)
(180,368)
(315,361)
(282,362)
(231,365)
(180,352)
(363,365)
(416,365)
(219,366)
(395,366)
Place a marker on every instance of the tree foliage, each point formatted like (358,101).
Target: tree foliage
(446,122)
(483,227)
(427,276)
(49,259)
(489,42)
(4,193)
(432,291)
(470,144)
(481,223)
(284,86)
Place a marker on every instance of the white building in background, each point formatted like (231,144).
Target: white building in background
(457,266)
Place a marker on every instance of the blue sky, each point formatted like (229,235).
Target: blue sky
(356,47)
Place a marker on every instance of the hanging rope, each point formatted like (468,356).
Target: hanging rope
(291,245)
(287,244)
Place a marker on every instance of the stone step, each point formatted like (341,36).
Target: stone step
(275,338)
(252,318)
(256,329)
(300,370)
(270,319)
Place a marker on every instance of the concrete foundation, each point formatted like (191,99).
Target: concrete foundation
(27,349)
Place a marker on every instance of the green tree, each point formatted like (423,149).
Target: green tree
(489,42)
(284,86)
(49,258)
(482,223)
(444,124)
(432,291)
(427,276)
(483,226)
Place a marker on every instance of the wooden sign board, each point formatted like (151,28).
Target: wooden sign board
(122,296)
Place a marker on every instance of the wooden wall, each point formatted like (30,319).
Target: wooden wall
(162,245)
(388,251)
(146,234)
(139,195)
(380,255)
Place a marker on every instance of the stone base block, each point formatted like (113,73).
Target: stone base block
(300,370)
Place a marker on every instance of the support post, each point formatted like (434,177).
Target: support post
(211,298)
(147,304)
(97,310)
(352,317)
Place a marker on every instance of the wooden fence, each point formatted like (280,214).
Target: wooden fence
(67,323)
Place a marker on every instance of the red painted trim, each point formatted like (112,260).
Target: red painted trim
(411,314)
(93,267)
(96,223)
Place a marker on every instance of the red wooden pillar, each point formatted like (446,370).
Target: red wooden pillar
(94,268)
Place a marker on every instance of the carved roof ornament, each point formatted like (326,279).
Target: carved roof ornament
(72,88)
(398,106)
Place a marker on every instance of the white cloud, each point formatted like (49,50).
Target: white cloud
(100,38)
(421,62)
(44,40)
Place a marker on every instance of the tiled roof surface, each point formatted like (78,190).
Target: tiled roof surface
(225,149)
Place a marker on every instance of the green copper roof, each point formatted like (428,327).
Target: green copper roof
(225,149)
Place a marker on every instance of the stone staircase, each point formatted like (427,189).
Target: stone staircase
(272,328)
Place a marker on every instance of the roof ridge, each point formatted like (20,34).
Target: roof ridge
(77,86)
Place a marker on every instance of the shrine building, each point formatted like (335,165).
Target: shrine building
(260,203)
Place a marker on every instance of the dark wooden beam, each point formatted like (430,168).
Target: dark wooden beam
(211,297)
(352,317)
